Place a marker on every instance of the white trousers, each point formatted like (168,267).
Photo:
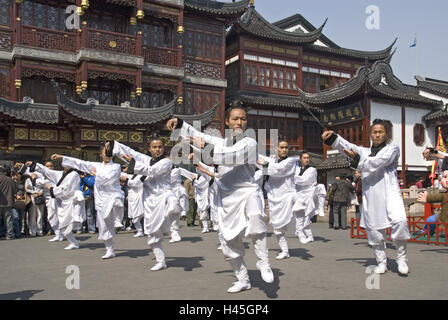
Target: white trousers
(400,236)
(303,224)
(106,227)
(281,238)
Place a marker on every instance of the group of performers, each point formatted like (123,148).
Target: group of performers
(229,188)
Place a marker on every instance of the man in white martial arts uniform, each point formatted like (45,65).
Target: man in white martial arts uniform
(160,204)
(240,209)
(182,197)
(135,200)
(107,192)
(319,197)
(202,194)
(280,187)
(69,208)
(382,202)
(305,179)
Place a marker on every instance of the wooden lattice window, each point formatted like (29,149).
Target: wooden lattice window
(4,83)
(5,6)
(43,16)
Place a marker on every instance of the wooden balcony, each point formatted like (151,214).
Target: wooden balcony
(110,41)
(49,38)
(162,56)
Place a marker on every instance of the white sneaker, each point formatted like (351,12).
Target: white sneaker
(138,235)
(56,238)
(282,255)
(219,248)
(128,229)
(266,272)
(118,225)
(380,269)
(159,266)
(303,240)
(175,238)
(403,267)
(205,231)
(238,287)
(71,246)
(310,239)
(109,254)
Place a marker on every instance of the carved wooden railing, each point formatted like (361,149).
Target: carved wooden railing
(111,41)
(162,56)
(49,38)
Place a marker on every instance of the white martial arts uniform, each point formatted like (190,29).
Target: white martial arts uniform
(182,197)
(382,201)
(282,196)
(135,201)
(160,204)
(108,195)
(202,195)
(240,209)
(71,208)
(320,194)
(304,208)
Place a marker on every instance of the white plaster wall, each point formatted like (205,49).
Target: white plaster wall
(414,158)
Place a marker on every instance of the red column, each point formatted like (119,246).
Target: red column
(139,43)
(300,132)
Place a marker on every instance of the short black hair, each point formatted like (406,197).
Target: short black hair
(303,153)
(155,137)
(282,138)
(387,125)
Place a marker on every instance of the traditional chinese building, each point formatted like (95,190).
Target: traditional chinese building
(122,68)
(375,92)
(268,62)
(438,90)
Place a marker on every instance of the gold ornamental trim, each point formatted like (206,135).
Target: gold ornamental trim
(113,135)
(43,135)
(20,134)
(136,137)
(88,135)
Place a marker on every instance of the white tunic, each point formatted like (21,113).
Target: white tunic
(135,196)
(52,177)
(234,179)
(68,207)
(382,202)
(157,194)
(107,190)
(281,191)
(305,188)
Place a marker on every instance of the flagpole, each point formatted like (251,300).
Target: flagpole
(416,56)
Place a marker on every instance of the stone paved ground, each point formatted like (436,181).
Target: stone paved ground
(333,267)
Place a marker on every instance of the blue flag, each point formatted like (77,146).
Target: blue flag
(415,43)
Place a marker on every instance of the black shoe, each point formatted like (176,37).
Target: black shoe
(336,228)
(189,225)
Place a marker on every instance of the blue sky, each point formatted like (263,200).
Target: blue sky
(398,18)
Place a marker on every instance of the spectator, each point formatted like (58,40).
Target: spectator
(330,198)
(192,207)
(6,201)
(36,209)
(20,202)
(436,198)
(86,186)
(342,196)
(419,183)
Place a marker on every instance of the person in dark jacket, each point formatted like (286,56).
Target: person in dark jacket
(342,195)
(6,201)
